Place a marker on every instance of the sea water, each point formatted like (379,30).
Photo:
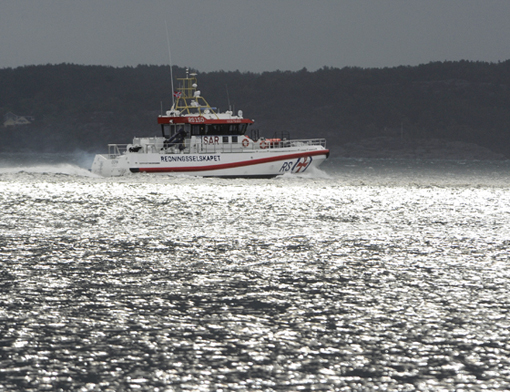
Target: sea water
(362,276)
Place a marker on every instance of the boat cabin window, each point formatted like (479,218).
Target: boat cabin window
(198,129)
(169,130)
(165,130)
(235,129)
(219,129)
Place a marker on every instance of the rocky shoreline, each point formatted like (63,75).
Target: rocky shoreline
(397,148)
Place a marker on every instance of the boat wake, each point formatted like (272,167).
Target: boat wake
(63,168)
(312,173)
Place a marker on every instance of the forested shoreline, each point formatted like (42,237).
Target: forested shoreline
(87,107)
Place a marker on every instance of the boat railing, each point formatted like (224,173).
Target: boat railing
(259,145)
(275,143)
(301,142)
(115,150)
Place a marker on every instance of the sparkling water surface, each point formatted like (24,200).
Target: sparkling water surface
(367,275)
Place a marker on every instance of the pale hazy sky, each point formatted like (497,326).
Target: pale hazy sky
(253,35)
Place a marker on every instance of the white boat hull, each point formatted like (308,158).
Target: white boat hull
(256,163)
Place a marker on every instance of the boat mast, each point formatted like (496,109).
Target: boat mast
(189,100)
(170,60)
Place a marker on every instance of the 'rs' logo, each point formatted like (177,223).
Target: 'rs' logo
(302,164)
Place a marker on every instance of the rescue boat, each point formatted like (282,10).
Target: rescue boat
(199,140)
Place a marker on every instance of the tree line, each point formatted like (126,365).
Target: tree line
(87,107)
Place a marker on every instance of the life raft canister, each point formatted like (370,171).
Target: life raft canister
(274,142)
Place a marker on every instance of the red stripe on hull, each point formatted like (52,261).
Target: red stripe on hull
(231,165)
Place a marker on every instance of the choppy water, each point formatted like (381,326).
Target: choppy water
(370,275)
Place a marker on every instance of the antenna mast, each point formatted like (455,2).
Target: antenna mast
(228,98)
(170,59)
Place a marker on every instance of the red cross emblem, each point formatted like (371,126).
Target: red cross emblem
(301,166)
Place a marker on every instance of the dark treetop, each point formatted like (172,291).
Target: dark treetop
(86,107)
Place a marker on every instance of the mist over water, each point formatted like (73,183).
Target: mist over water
(367,274)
